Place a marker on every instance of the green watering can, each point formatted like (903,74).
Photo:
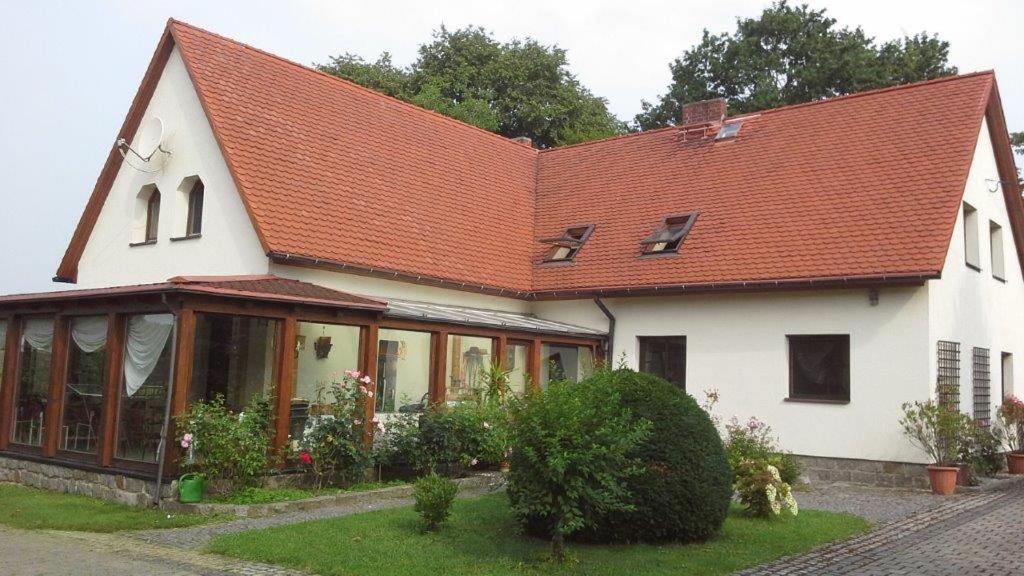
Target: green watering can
(190,488)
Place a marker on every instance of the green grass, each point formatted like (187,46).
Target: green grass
(257,495)
(482,539)
(31,508)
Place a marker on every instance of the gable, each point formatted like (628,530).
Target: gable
(114,253)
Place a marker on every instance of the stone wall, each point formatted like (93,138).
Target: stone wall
(111,487)
(870,472)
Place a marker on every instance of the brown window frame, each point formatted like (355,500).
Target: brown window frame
(153,215)
(670,234)
(793,339)
(194,219)
(573,238)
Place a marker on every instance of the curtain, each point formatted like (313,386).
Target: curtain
(89,333)
(811,359)
(586,362)
(145,341)
(38,333)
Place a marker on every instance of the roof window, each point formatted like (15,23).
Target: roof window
(669,235)
(730,130)
(565,247)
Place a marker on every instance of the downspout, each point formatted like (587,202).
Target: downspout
(161,450)
(611,328)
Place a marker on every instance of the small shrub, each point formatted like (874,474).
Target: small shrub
(572,457)
(222,445)
(761,490)
(333,447)
(397,442)
(936,429)
(1010,417)
(980,448)
(754,440)
(434,496)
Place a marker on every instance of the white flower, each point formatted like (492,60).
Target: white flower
(473,462)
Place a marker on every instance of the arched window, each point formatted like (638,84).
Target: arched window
(153,215)
(194,221)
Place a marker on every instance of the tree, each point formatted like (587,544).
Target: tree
(1017,139)
(791,55)
(517,88)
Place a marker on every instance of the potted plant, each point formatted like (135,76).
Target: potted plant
(1011,423)
(936,429)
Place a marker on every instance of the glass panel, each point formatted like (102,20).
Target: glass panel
(819,367)
(403,371)
(468,357)
(664,356)
(234,357)
(83,388)
(322,354)
(32,392)
(563,362)
(143,397)
(517,356)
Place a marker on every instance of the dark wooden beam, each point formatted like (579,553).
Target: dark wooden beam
(112,388)
(58,375)
(285,385)
(12,352)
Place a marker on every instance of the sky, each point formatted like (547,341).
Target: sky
(70,70)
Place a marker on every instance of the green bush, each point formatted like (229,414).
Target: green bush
(572,458)
(219,444)
(434,496)
(762,491)
(683,491)
(981,448)
(753,440)
(333,447)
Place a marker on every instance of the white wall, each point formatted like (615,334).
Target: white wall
(228,246)
(736,343)
(970,306)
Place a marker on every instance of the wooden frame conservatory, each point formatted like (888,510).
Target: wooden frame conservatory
(94,378)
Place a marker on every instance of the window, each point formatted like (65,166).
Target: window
(517,359)
(323,352)
(819,367)
(144,386)
(84,382)
(565,247)
(3,346)
(669,235)
(403,371)
(565,362)
(468,358)
(995,239)
(972,251)
(152,215)
(665,357)
(235,358)
(194,218)
(1007,374)
(981,385)
(32,392)
(729,130)
(948,373)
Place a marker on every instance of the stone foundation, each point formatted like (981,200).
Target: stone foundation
(106,486)
(869,472)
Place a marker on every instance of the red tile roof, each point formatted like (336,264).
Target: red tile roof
(862,187)
(265,288)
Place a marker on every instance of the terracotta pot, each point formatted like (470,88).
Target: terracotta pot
(943,479)
(1015,463)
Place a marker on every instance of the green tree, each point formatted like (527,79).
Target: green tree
(516,88)
(1017,139)
(791,55)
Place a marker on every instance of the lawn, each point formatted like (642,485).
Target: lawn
(259,495)
(482,538)
(31,508)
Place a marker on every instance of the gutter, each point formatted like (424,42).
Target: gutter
(611,326)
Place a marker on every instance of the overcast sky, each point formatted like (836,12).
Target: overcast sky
(70,70)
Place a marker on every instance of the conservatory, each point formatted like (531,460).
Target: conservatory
(92,379)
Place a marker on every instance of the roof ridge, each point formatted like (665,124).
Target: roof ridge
(608,138)
(349,83)
(876,91)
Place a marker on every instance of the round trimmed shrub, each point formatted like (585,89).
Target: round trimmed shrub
(683,490)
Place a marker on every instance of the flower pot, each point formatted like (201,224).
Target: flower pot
(504,466)
(943,479)
(963,475)
(1015,463)
(190,488)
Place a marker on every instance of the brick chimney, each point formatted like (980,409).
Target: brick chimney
(704,112)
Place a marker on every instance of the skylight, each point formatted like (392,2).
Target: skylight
(565,247)
(729,130)
(669,235)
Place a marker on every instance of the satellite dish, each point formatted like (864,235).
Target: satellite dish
(151,137)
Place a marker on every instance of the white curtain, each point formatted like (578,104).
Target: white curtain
(147,336)
(89,333)
(38,333)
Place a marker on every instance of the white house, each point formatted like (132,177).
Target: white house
(263,225)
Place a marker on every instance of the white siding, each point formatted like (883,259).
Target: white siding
(229,244)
